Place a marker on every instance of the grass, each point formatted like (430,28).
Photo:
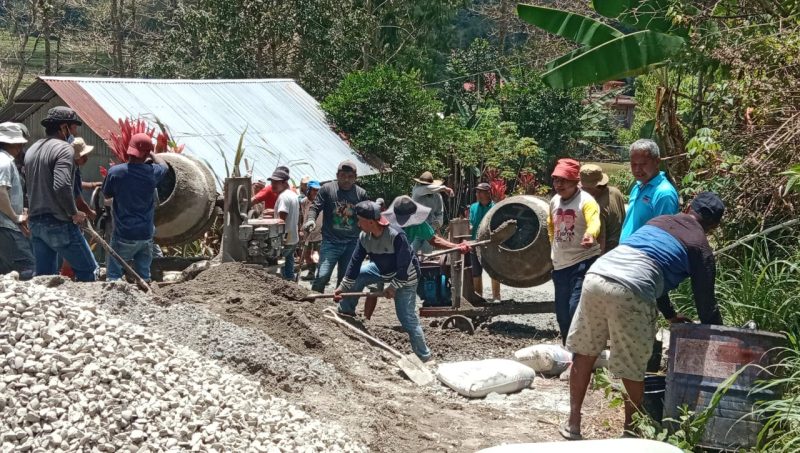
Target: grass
(781,432)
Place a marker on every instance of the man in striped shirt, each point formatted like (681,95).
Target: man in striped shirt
(391,261)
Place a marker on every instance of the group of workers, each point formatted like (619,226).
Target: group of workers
(613,263)
(38,236)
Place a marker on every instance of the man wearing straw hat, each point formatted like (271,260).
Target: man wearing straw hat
(82,151)
(15,247)
(428,192)
(411,216)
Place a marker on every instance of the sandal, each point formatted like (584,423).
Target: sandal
(566,433)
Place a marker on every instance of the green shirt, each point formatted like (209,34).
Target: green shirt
(418,235)
(476,214)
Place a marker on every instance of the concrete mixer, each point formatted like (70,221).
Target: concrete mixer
(521,261)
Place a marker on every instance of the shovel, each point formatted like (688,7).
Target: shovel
(410,364)
(128,270)
(300,265)
(498,236)
(314,297)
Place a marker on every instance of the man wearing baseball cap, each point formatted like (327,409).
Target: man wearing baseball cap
(132,185)
(287,208)
(54,217)
(336,201)
(314,237)
(625,289)
(15,247)
(573,225)
(610,201)
(392,262)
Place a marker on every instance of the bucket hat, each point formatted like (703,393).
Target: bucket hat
(279,175)
(12,133)
(61,114)
(80,147)
(592,176)
(406,212)
(426,178)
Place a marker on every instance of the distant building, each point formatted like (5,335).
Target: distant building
(621,105)
(285,125)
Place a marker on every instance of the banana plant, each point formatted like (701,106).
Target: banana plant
(606,53)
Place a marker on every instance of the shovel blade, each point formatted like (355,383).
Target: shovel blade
(413,367)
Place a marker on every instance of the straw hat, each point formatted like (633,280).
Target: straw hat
(406,212)
(80,147)
(426,178)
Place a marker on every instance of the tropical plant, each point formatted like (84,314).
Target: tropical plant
(128,128)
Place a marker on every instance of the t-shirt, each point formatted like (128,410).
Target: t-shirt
(315,235)
(419,235)
(648,201)
(612,215)
(9,178)
(77,185)
(430,196)
(266,196)
(287,202)
(567,223)
(477,212)
(132,186)
(50,170)
(339,223)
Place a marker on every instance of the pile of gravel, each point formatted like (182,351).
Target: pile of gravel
(75,378)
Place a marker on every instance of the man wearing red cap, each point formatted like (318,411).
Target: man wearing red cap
(573,226)
(132,186)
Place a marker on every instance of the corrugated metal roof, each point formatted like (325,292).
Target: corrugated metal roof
(284,123)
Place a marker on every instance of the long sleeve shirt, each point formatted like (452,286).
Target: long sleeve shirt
(390,252)
(50,169)
(658,257)
(431,197)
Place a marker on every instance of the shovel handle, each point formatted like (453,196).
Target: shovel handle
(129,270)
(455,249)
(331,314)
(331,296)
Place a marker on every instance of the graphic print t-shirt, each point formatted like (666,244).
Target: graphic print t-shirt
(338,211)
(568,221)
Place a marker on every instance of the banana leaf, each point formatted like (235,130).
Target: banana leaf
(564,58)
(642,14)
(580,29)
(621,57)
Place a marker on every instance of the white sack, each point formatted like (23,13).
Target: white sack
(478,378)
(548,359)
(588,446)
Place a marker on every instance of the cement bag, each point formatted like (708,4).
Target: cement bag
(582,446)
(548,359)
(478,378)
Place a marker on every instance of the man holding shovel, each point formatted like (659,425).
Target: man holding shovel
(391,261)
(132,186)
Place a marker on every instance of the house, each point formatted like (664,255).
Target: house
(283,124)
(621,105)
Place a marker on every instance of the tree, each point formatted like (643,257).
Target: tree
(387,115)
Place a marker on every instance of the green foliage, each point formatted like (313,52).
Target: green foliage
(387,115)
(551,117)
(781,432)
(622,180)
(470,82)
(792,180)
(574,27)
(759,284)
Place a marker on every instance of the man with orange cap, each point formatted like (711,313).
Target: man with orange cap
(573,225)
(132,185)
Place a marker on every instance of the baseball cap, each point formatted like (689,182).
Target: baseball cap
(484,186)
(347,165)
(568,169)
(709,206)
(314,184)
(141,145)
(371,211)
(279,175)
(592,176)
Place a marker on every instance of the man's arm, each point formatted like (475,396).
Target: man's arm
(403,256)
(63,172)
(703,271)
(664,305)
(5,205)
(354,267)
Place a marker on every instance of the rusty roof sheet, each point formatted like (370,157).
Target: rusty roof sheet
(284,124)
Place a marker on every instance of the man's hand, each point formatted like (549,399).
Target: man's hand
(92,215)
(588,241)
(464,248)
(22,223)
(389,292)
(337,294)
(680,319)
(78,218)
(449,192)
(309,225)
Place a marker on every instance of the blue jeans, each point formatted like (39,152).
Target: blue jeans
(51,237)
(405,300)
(139,251)
(288,261)
(332,254)
(15,253)
(568,283)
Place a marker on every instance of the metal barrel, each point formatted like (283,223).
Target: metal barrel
(523,260)
(701,357)
(187,197)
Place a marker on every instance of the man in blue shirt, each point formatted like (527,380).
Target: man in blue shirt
(132,186)
(477,211)
(653,195)
(626,288)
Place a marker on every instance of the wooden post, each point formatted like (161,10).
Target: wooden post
(237,193)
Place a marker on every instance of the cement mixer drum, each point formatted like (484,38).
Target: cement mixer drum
(187,198)
(523,260)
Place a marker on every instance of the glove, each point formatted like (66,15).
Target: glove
(464,248)
(309,225)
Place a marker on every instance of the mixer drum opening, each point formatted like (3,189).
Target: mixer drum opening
(528,225)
